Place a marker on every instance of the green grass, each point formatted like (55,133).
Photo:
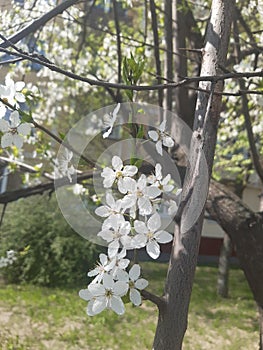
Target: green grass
(40,318)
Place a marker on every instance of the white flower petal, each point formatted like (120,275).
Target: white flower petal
(110,200)
(154,223)
(96,306)
(153,135)
(142,182)
(135,297)
(120,288)
(14,119)
(20,97)
(116,110)
(85,294)
(140,226)
(93,272)
(168,141)
(123,263)
(117,163)
(121,185)
(18,140)
(112,253)
(122,254)
(153,249)
(125,228)
(141,283)
(152,191)
(107,133)
(108,282)
(114,245)
(158,171)
(168,188)
(102,211)
(122,276)
(24,129)
(135,272)
(145,206)
(173,207)
(103,259)
(4,125)
(96,289)
(163,237)
(130,184)
(162,125)
(139,241)
(130,170)
(159,147)
(128,201)
(6,140)
(107,235)
(126,242)
(117,305)
(19,85)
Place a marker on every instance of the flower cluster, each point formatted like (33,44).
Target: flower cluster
(132,222)
(8,259)
(13,129)
(62,167)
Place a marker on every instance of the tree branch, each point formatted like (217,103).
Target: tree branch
(33,27)
(185,80)
(153,298)
(11,196)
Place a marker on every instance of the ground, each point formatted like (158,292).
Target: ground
(40,318)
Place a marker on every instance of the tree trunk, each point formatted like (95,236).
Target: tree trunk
(223,267)
(246,231)
(173,310)
(184,106)
(260,312)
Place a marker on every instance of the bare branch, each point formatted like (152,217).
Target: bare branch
(153,298)
(183,82)
(33,27)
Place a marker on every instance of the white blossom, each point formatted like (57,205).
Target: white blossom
(118,173)
(62,164)
(78,189)
(103,266)
(106,295)
(135,283)
(149,236)
(157,180)
(11,91)
(161,138)
(115,230)
(14,131)
(110,119)
(9,259)
(112,207)
(138,193)
(120,262)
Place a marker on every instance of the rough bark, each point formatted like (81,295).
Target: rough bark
(245,228)
(223,267)
(173,312)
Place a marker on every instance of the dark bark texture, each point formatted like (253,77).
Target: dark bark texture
(245,228)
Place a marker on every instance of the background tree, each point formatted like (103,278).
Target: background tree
(71,60)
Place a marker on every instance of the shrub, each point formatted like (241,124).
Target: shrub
(50,253)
